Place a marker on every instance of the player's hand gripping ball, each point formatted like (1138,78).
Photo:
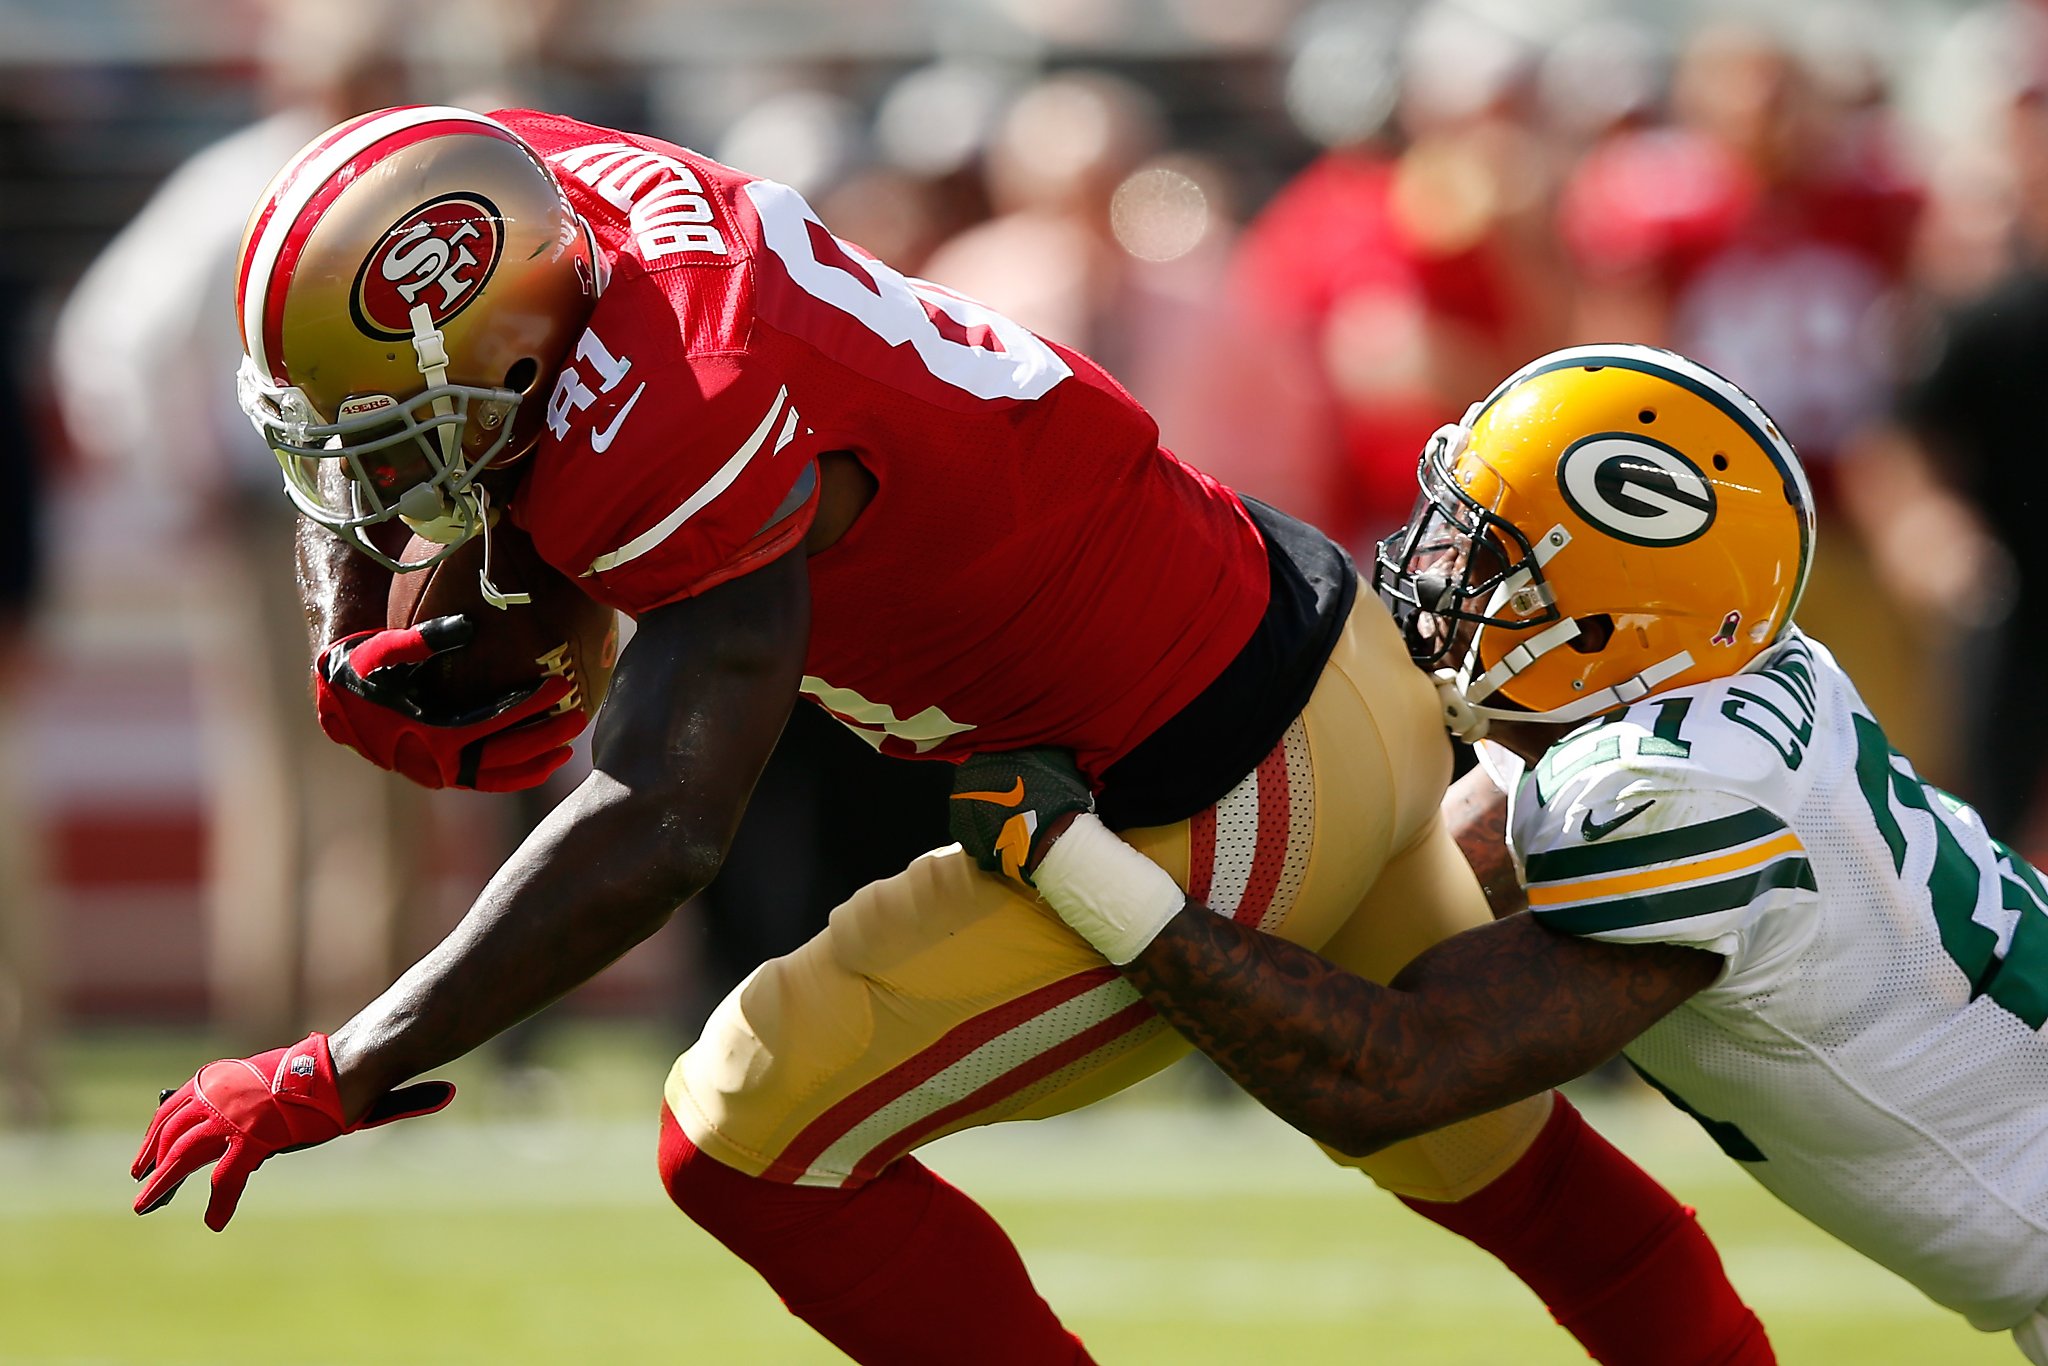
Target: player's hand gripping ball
(1003,802)
(241,1111)
(457,692)
(559,631)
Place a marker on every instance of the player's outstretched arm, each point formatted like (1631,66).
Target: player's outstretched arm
(698,700)
(695,707)
(1485,1018)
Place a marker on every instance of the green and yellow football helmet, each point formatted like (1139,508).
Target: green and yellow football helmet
(1611,522)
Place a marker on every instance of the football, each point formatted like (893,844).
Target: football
(559,631)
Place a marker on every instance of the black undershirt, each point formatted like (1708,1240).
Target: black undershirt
(1206,748)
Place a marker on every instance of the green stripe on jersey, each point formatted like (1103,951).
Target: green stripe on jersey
(1640,851)
(1658,908)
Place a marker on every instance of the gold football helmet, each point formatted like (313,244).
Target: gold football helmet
(1611,522)
(406,285)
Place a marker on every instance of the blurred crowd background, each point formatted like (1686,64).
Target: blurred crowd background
(1304,234)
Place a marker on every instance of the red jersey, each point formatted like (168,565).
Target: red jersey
(1330,250)
(1782,285)
(1033,568)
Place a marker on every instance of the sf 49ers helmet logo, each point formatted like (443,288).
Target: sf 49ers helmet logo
(440,255)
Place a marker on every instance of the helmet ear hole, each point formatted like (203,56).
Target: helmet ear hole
(1594,633)
(523,373)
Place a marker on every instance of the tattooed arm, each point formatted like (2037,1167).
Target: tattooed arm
(1477,813)
(1495,1014)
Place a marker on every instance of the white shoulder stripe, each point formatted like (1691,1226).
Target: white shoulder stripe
(718,483)
(263,255)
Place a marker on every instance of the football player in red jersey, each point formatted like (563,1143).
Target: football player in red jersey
(802,472)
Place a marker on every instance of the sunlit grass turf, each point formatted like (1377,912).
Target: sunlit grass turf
(1167,1226)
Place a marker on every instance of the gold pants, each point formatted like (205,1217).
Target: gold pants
(944,998)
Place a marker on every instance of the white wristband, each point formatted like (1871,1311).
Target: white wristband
(1109,893)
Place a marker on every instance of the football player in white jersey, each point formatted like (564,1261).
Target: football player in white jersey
(1729,875)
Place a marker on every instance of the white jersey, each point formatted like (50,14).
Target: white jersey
(1872,1051)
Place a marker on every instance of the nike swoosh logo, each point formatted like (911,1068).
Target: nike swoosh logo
(1014,797)
(1014,844)
(1593,830)
(602,441)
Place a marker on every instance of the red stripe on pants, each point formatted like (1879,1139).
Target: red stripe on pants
(1201,853)
(1269,849)
(1098,1035)
(822,1132)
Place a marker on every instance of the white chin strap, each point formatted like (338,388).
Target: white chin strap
(450,521)
(431,354)
(1462,697)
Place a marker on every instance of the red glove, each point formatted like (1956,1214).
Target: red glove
(360,689)
(241,1110)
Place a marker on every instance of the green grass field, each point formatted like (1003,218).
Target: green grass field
(526,1226)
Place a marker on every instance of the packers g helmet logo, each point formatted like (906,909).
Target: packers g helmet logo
(441,254)
(1635,489)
